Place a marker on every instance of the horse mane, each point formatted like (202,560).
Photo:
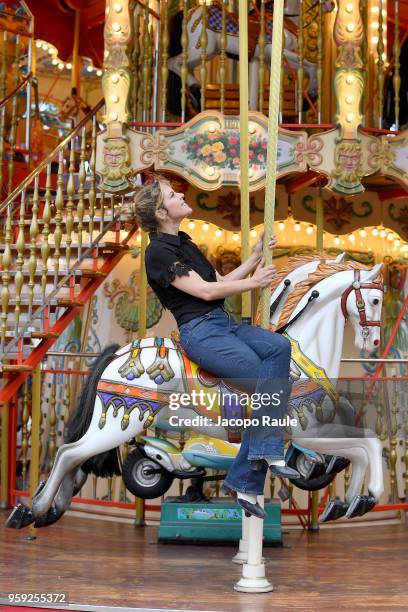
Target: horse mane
(323,270)
(292,264)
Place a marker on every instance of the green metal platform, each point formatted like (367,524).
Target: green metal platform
(215,522)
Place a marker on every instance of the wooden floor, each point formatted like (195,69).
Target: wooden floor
(112,564)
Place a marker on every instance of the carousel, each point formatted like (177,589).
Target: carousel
(286,118)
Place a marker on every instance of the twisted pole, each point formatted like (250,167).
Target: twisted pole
(272,150)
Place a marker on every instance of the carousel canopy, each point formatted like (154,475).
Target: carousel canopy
(54,21)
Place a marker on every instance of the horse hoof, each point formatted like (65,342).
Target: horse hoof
(360,505)
(49,518)
(20,517)
(334,510)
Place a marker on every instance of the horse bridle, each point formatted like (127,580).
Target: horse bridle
(356,286)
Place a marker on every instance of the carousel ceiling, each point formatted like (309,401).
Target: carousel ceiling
(54,21)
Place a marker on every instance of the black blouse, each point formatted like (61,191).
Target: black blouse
(168,256)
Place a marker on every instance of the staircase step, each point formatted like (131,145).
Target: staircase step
(16,367)
(62,301)
(102,246)
(82,273)
(42,335)
(86,220)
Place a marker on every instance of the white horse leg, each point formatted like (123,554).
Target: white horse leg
(175,63)
(70,485)
(308,67)
(253,578)
(94,442)
(375,485)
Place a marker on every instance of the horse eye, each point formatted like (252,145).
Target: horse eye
(376,301)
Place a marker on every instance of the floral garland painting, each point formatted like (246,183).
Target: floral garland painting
(222,149)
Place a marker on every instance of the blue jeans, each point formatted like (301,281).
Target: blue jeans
(253,357)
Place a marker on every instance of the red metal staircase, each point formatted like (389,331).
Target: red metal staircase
(59,239)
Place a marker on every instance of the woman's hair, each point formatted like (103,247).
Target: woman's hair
(146,201)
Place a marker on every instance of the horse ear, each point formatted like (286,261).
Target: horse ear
(373,273)
(340,257)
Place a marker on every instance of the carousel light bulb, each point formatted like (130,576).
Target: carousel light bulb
(51,51)
(350,79)
(397,242)
(281,226)
(235,237)
(375,9)
(349,7)
(218,232)
(336,240)
(114,98)
(115,78)
(116,27)
(363,233)
(61,66)
(45,46)
(374,231)
(117,7)
(68,66)
(374,40)
(89,68)
(205,227)
(350,27)
(253,233)
(138,237)
(382,233)
(349,117)
(251,128)
(38,44)
(114,116)
(374,25)
(309,229)
(55,61)
(349,99)
(297,227)
(210,171)
(212,127)
(390,236)
(99,73)
(191,224)
(351,237)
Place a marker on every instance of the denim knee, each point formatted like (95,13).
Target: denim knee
(281,346)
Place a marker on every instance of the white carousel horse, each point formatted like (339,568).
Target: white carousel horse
(213,31)
(130,386)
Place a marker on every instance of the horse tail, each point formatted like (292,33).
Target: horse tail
(173,80)
(104,464)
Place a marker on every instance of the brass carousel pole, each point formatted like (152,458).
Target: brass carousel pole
(273,135)
(4,457)
(253,578)
(75,74)
(319,221)
(140,503)
(244,146)
(35,435)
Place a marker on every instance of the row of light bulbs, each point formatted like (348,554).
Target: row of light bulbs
(392,239)
(53,52)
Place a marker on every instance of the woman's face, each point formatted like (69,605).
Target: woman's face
(174,203)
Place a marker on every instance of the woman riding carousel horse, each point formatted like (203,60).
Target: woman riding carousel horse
(257,359)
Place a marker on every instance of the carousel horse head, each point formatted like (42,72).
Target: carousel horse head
(362,303)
